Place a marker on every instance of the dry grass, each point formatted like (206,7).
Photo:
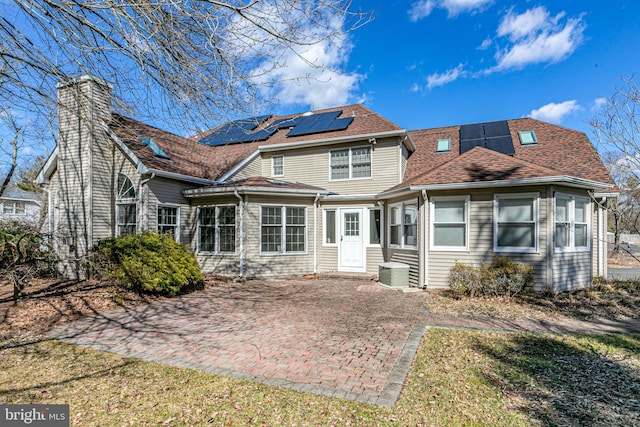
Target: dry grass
(457,378)
(615,301)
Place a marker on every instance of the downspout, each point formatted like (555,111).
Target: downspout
(241,234)
(426,237)
(315,234)
(142,183)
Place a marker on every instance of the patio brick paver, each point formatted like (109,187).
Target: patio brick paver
(341,338)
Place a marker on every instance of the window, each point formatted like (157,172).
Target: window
(403,225)
(155,148)
(450,223)
(283,229)
(168,221)
(217,229)
(571,223)
(126,207)
(516,223)
(444,144)
(277,166)
(14,208)
(329,227)
(350,163)
(527,137)
(374,226)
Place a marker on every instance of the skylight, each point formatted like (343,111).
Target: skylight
(155,148)
(444,144)
(527,137)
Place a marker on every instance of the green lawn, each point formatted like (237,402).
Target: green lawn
(458,378)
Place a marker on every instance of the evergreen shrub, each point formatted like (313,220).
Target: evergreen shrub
(148,263)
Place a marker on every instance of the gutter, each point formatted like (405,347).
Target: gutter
(315,233)
(563,179)
(241,261)
(208,191)
(330,141)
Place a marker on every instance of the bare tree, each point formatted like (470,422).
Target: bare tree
(10,149)
(617,130)
(203,61)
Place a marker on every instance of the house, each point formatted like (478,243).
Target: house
(19,205)
(337,190)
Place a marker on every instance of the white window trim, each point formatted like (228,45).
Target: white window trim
(216,243)
(536,220)
(283,232)
(126,202)
(368,225)
(122,201)
(572,248)
(14,207)
(176,235)
(432,209)
(324,227)
(350,149)
(402,244)
(273,165)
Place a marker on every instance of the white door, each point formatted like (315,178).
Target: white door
(351,240)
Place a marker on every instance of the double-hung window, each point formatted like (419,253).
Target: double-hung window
(283,229)
(571,223)
(450,223)
(277,166)
(515,222)
(217,229)
(169,221)
(403,225)
(350,163)
(126,207)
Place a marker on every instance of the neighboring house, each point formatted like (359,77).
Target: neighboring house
(337,190)
(19,205)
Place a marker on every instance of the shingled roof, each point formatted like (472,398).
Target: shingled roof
(186,156)
(558,152)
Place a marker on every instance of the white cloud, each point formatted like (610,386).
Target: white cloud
(455,7)
(598,103)
(486,44)
(420,9)
(555,113)
(310,75)
(537,37)
(415,88)
(440,79)
(423,8)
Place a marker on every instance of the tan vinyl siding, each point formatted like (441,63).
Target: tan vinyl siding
(481,237)
(311,166)
(269,265)
(162,191)
(571,270)
(252,168)
(375,257)
(409,257)
(108,162)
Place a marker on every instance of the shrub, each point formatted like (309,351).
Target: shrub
(502,277)
(148,263)
(464,279)
(24,255)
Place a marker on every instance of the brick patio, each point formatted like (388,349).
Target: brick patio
(340,338)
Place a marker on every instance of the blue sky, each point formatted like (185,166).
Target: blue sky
(432,63)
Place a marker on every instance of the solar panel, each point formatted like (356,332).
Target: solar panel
(501,144)
(238,131)
(318,123)
(473,131)
(494,129)
(468,144)
(492,135)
